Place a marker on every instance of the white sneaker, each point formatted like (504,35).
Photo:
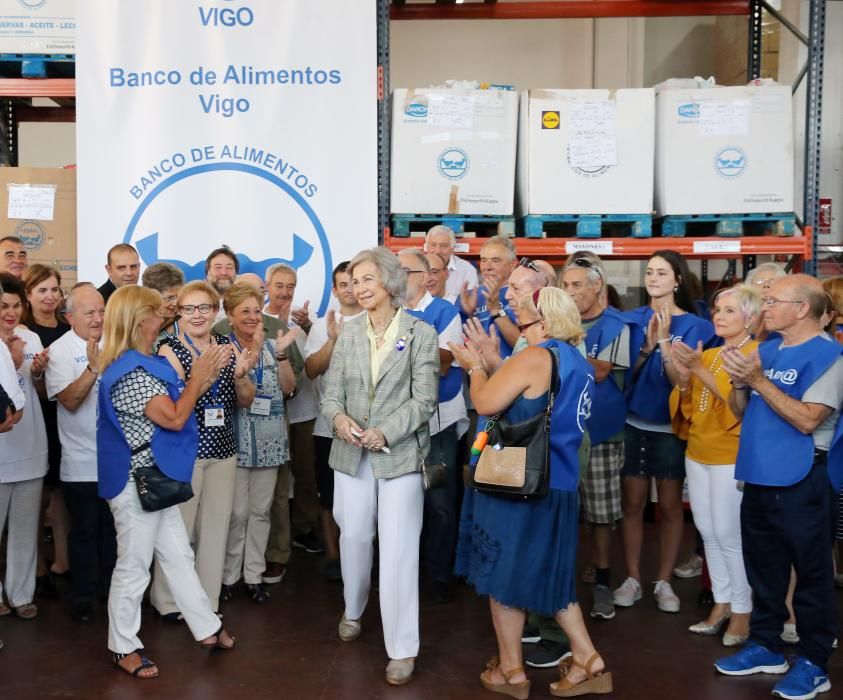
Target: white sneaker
(691,568)
(789,635)
(667,600)
(628,592)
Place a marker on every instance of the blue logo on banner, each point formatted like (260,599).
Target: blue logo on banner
(31,235)
(690,110)
(453,163)
(417,109)
(730,161)
(147,242)
(32,4)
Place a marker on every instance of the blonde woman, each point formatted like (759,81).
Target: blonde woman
(701,415)
(522,554)
(145,417)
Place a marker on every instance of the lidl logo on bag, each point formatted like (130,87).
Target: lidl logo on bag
(550,120)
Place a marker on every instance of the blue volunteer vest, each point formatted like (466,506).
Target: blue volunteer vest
(648,390)
(608,413)
(482,314)
(771,451)
(174,451)
(571,413)
(439,314)
(835,458)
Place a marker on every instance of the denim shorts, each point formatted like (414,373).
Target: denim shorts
(648,453)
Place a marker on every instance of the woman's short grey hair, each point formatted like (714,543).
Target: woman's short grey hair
(747,297)
(161,276)
(775,268)
(392,277)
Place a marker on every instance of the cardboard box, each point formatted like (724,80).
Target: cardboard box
(724,150)
(586,152)
(453,151)
(48,242)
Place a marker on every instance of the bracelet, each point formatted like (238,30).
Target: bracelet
(644,353)
(37,377)
(683,389)
(280,358)
(92,370)
(663,340)
(476,368)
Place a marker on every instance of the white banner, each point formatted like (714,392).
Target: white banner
(251,123)
(38,26)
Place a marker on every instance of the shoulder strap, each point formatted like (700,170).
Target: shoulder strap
(554,380)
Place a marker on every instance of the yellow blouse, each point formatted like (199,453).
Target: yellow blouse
(711,429)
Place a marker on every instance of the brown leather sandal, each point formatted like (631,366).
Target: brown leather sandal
(592,683)
(520,690)
(217,642)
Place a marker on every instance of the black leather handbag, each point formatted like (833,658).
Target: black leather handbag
(515,462)
(156,490)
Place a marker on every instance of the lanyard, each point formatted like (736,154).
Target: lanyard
(259,368)
(215,387)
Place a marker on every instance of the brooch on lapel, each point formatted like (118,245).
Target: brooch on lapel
(401,344)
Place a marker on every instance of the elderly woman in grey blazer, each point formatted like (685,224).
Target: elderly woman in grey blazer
(381,390)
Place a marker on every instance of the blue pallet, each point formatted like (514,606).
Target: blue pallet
(33,65)
(587,225)
(405,224)
(730,225)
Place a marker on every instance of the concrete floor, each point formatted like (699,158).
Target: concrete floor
(288,648)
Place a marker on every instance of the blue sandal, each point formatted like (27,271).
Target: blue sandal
(144,664)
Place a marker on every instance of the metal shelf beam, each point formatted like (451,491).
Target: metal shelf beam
(37,87)
(570,9)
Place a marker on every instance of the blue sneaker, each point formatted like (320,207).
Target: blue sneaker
(753,658)
(803,681)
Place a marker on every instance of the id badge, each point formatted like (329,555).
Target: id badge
(214,416)
(261,405)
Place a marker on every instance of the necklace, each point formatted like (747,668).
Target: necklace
(705,396)
(380,334)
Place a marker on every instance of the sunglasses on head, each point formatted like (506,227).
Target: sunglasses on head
(529,264)
(586,263)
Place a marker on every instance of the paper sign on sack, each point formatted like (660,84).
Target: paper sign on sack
(31,202)
(725,118)
(451,111)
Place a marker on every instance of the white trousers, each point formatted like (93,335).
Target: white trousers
(393,508)
(140,534)
(716,505)
(206,517)
(248,531)
(21,502)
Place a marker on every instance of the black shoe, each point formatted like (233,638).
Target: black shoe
(531,635)
(82,611)
(173,617)
(226,593)
(309,542)
(332,571)
(546,654)
(705,599)
(440,592)
(259,595)
(44,587)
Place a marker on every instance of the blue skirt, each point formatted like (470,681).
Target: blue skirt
(521,553)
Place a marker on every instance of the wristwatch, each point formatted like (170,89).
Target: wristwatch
(500,313)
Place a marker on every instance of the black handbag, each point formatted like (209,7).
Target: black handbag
(515,462)
(156,490)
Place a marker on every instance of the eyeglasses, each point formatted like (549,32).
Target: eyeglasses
(772,301)
(410,272)
(169,299)
(190,309)
(524,326)
(528,263)
(436,270)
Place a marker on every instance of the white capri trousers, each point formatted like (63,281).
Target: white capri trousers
(393,508)
(140,534)
(206,517)
(248,531)
(21,502)
(716,505)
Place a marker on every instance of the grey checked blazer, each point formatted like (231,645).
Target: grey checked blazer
(389,406)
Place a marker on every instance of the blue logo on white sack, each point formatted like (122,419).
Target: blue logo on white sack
(31,235)
(453,163)
(416,109)
(32,4)
(730,161)
(690,110)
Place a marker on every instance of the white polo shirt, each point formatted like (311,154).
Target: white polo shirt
(23,450)
(460,271)
(77,429)
(303,406)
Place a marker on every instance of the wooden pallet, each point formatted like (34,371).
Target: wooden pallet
(404,225)
(587,225)
(728,225)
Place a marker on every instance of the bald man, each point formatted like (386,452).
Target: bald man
(789,394)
